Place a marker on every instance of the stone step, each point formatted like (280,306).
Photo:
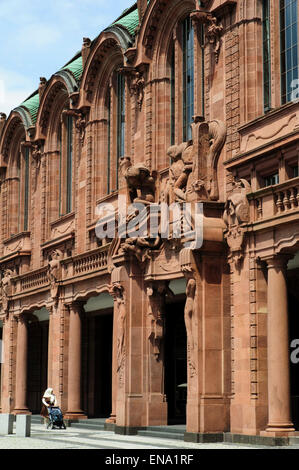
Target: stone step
(162,434)
(175,429)
(95,424)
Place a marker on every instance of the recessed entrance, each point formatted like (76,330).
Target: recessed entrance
(97,358)
(37,360)
(176,362)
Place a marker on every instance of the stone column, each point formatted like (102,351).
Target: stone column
(279,407)
(21,367)
(74,410)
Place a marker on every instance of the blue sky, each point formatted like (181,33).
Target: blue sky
(39,37)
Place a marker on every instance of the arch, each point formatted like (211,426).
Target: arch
(158,19)
(58,90)
(12,125)
(113,38)
(84,295)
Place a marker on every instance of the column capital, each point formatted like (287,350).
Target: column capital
(75,306)
(20,318)
(279,261)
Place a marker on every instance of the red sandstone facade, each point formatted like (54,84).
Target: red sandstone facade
(119,328)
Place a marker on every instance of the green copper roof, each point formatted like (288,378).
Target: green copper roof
(75,67)
(129,21)
(32,105)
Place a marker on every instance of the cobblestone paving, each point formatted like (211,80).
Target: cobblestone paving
(42,438)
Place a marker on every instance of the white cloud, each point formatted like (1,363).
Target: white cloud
(14,89)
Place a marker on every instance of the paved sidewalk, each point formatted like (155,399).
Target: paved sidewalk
(72,438)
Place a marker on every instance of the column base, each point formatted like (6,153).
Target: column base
(21,411)
(74,415)
(279,430)
(111,420)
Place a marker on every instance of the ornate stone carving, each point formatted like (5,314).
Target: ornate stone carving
(189,320)
(140,181)
(85,49)
(42,86)
(117,292)
(81,126)
(188,267)
(54,272)
(2,121)
(156,293)
(140,247)
(178,173)
(193,172)
(137,88)
(214,29)
(236,213)
(36,154)
(6,288)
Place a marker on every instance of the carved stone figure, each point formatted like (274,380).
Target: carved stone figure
(6,288)
(213,34)
(140,247)
(54,271)
(189,309)
(237,206)
(36,155)
(81,126)
(236,213)
(140,181)
(137,88)
(42,86)
(193,173)
(178,174)
(156,293)
(2,121)
(117,291)
(188,316)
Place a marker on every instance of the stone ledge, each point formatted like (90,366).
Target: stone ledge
(240,439)
(128,430)
(203,437)
(110,427)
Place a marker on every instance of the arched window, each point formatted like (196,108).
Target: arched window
(25,188)
(120,115)
(266,55)
(185,94)
(65,137)
(172,96)
(289,47)
(188,76)
(116,128)
(108,108)
(18,185)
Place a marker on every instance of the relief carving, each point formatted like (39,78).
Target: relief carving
(236,213)
(6,288)
(139,179)
(193,171)
(117,292)
(156,293)
(54,272)
(189,320)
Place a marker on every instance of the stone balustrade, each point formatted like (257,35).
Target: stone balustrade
(92,261)
(274,201)
(34,280)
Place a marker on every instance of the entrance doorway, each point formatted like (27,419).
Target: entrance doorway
(37,360)
(175,357)
(293,301)
(97,364)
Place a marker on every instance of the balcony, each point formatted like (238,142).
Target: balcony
(278,203)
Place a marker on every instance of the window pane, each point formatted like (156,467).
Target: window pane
(266,56)
(289,48)
(188,77)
